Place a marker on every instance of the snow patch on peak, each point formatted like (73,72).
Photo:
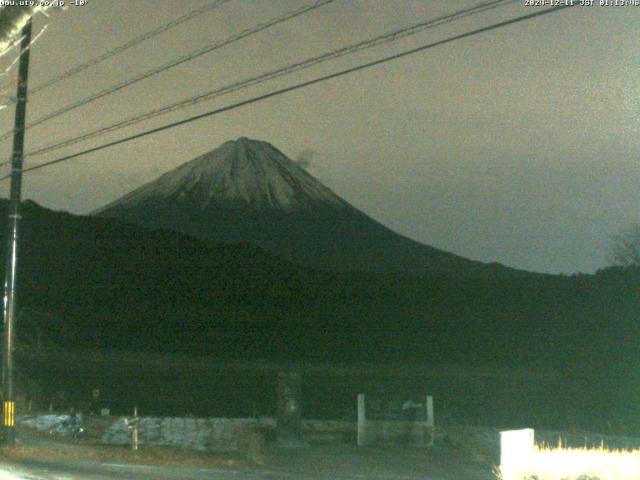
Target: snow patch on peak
(241,172)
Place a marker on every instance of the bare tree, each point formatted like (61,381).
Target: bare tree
(625,248)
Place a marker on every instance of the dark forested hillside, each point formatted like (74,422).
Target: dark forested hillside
(92,283)
(86,282)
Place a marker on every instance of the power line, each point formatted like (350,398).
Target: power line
(299,86)
(126,46)
(174,63)
(287,70)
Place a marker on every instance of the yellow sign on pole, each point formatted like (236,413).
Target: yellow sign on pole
(9,413)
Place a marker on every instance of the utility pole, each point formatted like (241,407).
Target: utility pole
(11,267)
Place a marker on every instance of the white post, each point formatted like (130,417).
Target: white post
(516,450)
(430,419)
(362,419)
(134,432)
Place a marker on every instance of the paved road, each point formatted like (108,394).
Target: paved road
(337,462)
(80,470)
(285,465)
(112,471)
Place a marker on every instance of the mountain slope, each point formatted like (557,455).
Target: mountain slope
(87,283)
(248,191)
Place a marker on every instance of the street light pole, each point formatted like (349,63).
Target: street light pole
(11,267)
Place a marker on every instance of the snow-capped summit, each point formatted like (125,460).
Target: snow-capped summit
(248,191)
(240,173)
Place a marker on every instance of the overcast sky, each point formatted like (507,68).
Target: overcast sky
(518,146)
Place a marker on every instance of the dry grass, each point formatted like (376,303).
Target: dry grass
(547,463)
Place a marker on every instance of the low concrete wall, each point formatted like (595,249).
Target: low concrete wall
(222,434)
(329,431)
(235,434)
(205,434)
(374,432)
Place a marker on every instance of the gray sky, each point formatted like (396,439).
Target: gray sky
(518,146)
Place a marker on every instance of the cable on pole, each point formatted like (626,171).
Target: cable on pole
(300,86)
(280,72)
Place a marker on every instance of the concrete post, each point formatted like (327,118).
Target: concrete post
(134,432)
(289,416)
(430,420)
(12,239)
(362,420)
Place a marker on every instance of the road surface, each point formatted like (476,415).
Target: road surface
(42,457)
(314,463)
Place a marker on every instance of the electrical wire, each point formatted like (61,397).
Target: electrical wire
(126,46)
(174,63)
(300,86)
(287,70)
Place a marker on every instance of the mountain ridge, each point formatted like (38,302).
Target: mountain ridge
(243,171)
(249,191)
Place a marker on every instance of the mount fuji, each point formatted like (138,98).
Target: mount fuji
(248,191)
